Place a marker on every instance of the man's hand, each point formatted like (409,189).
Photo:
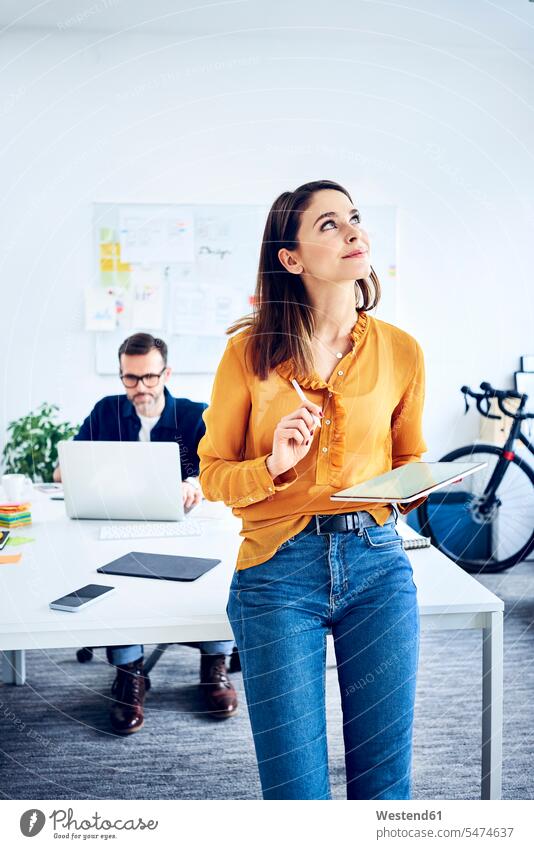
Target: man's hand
(192,495)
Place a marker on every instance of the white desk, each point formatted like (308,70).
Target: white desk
(65,556)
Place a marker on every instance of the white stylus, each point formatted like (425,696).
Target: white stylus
(302,397)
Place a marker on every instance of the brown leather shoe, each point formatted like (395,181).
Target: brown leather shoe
(218,690)
(128,691)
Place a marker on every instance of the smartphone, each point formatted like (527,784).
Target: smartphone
(4,536)
(80,598)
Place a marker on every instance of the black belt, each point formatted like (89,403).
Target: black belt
(342,523)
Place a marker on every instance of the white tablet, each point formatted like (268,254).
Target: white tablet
(407,483)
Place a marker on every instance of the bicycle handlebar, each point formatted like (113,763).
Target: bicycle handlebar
(501,395)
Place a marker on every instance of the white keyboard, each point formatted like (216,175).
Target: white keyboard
(147,530)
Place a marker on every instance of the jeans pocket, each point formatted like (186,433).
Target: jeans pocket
(382,536)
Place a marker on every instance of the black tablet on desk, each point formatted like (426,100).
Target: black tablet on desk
(163,567)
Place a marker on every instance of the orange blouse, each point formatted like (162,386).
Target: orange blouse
(372,405)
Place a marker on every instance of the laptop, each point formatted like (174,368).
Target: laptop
(122,480)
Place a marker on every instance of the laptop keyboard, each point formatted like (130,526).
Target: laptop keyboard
(147,530)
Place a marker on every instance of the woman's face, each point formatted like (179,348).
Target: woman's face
(333,247)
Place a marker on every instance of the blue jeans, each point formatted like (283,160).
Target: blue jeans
(359,587)
(118,655)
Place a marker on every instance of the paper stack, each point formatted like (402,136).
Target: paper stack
(15,515)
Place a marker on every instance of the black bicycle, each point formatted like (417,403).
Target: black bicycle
(486,523)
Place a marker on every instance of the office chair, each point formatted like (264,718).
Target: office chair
(86,654)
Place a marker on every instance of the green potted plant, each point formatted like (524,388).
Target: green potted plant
(31,448)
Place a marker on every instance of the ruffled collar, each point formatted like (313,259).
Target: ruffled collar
(339,414)
(314,381)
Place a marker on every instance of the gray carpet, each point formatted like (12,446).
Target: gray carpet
(55,740)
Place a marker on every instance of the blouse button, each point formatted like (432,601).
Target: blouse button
(340,373)
(327,421)
(325,450)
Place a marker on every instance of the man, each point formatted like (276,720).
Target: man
(149,413)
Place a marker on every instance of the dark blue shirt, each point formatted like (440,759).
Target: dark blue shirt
(114,419)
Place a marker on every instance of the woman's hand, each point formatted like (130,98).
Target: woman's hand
(292,438)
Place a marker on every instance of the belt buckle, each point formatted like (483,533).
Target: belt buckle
(357,524)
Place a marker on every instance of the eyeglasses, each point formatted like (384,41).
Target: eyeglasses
(150,380)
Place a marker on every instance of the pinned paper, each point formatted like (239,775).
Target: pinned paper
(204,311)
(123,305)
(157,234)
(100,311)
(147,298)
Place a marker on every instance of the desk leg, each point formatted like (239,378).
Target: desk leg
(14,666)
(492,696)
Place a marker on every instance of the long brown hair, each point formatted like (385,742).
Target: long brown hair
(282,320)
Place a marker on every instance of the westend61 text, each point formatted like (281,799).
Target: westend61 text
(408,815)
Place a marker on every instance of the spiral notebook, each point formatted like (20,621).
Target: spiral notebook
(420,542)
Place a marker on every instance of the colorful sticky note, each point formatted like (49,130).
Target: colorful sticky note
(10,558)
(108,249)
(107,279)
(19,540)
(123,279)
(107,234)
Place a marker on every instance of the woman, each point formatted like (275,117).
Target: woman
(309,566)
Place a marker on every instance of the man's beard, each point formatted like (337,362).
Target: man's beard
(147,402)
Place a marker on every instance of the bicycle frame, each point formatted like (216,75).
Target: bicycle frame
(457,536)
(507,455)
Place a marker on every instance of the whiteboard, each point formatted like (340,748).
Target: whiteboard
(185,272)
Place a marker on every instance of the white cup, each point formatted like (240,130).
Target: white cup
(13,486)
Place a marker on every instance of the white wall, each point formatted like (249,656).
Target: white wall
(428,108)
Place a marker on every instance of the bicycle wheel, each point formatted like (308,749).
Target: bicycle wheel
(482,543)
